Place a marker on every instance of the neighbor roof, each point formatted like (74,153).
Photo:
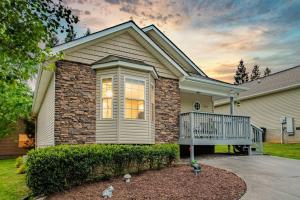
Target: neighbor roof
(276,82)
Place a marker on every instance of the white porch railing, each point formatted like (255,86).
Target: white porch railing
(257,140)
(197,128)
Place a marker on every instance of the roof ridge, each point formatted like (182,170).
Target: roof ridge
(284,70)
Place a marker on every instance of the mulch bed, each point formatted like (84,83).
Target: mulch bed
(177,182)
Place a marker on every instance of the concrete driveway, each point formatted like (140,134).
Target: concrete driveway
(267,177)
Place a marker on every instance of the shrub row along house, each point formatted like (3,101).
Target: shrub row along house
(132,85)
(273,102)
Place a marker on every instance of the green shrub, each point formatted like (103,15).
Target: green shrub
(21,169)
(19,161)
(57,168)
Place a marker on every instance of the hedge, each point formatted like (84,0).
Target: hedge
(54,169)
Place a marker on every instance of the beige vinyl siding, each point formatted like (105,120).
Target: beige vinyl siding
(187,67)
(265,111)
(45,119)
(188,100)
(119,129)
(106,129)
(123,45)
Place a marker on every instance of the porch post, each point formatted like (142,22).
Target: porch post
(231,113)
(231,106)
(192,152)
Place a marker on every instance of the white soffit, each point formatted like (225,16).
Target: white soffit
(209,87)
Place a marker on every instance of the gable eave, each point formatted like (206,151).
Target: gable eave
(178,51)
(130,25)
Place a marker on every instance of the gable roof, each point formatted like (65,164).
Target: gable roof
(276,82)
(165,41)
(124,26)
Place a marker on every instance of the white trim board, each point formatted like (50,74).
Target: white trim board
(128,65)
(174,47)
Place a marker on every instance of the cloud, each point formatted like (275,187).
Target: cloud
(214,34)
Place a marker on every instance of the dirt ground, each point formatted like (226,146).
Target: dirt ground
(177,182)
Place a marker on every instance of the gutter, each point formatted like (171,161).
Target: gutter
(261,94)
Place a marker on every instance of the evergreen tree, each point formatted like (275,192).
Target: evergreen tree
(88,32)
(241,76)
(267,71)
(71,35)
(255,74)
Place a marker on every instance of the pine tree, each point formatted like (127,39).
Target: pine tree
(255,74)
(241,76)
(88,32)
(267,72)
(54,41)
(71,35)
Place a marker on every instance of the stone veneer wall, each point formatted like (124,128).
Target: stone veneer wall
(75,103)
(167,110)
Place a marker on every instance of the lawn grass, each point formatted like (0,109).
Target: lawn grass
(12,185)
(281,150)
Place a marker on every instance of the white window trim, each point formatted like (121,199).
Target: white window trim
(112,99)
(195,108)
(150,92)
(124,96)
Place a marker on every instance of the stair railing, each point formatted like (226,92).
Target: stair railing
(257,139)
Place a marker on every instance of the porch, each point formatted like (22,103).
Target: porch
(199,128)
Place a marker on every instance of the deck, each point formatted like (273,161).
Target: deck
(197,128)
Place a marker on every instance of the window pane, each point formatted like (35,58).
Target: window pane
(134,99)
(107,87)
(107,94)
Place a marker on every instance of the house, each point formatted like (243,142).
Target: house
(273,102)
(16,143)
(130,85)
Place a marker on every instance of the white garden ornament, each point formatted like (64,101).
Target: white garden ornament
(107,193)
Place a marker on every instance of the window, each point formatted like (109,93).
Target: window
(107,94)
(134,99)
(152,102)
(197,106)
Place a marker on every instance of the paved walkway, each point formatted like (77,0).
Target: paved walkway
(267,177)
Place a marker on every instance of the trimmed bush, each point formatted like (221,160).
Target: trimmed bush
(54,169)
(21,169)
(19,161)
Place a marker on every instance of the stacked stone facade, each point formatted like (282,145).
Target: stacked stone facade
(167,110)
(75,103)
(75,106)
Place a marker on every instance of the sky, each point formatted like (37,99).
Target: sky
(215,34)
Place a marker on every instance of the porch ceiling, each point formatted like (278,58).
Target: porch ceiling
(209,87)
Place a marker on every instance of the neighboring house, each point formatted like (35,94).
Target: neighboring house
(12,144)
(123,85)
(268,100)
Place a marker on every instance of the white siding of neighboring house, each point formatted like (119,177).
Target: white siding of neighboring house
(123,45)
(188,100)
(45,118)
(118,129)
(265,111)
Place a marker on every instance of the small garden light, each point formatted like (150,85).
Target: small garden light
(196,167)
(127,178)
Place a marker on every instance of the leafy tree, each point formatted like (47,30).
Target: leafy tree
(255,74)
(71,35)
(26,30)
(88,32)
(267,72)
(15,103)
(241,76)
